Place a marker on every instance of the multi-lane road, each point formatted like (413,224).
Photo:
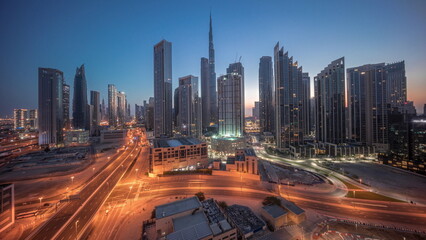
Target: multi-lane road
(72,218)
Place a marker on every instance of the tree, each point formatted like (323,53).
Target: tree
(200,196)
(222,204)
(271,200)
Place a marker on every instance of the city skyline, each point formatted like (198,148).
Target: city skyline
(102,49)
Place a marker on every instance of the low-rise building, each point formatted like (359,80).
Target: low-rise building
(275,215)
(74,137)
(190,219)
(7,206)
(113,136)
(227,145)
(170,154)
(245,220)
(295,213)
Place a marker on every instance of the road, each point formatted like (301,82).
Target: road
(94,193)
(124,202)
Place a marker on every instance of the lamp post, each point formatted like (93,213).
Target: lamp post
(72,179)
(76,229)
(40,198)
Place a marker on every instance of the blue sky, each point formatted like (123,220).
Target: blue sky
(115,39)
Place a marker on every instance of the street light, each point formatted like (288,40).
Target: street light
(72,179)
(76,229)
(40,198)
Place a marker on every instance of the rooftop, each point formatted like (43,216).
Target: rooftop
(274,210)
(249,152)
(291,206)
(189,220)
(176,207)
(245,219)
(174,142)
(194,232)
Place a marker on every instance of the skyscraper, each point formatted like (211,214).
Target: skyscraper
(163,89)
(288,100)
(176,108)
(396,85)
(149,114)
(266,111)
(212,77)
(121,108)
(330,117)
(367,105)
(50,106)
(66,103)
(306,101)
(80,99)
(112,105)
(231,105)
(206,101)
(256,110)
(189,114)
(95,98)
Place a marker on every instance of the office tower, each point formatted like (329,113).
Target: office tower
(306,102)
(7,205)
(66,104)
(266,107)
(95,98)
(50,106)
(206,100)
(288,100)
(149,114)
(367,105)
(112,105)
(212,77)
(140,113)
(176,108)
(80,99)
(330,117)
(396,85)
(231,105)
(189,114)
(424,110)
(20,117)
(121,108)
(163,89)
(256,110)
(89,120)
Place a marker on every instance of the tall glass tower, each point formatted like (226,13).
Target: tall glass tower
(163,89)
(50,106)
(80,99)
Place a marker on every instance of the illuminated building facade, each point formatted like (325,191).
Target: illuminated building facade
(330,118)
(66,104)
(231,105)
(7,206)
(112,105)
(168,154)
(25,119)
(288,100)
(367,105)
(189,110)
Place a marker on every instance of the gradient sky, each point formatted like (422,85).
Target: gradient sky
(115,39)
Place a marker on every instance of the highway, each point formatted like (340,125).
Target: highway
(65,224)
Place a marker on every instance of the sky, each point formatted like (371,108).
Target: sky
(115,39)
